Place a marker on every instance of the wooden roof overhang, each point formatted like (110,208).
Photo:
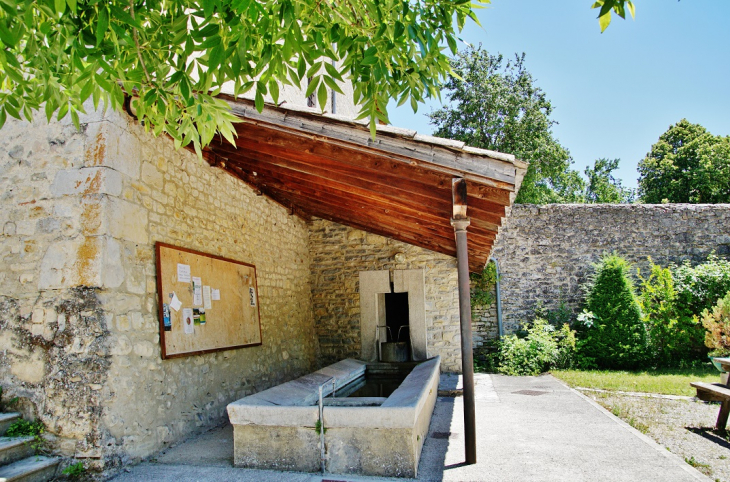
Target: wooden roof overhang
(398,185)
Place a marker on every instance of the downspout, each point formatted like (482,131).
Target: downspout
(334,94)
(500,328)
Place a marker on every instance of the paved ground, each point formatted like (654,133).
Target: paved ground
(528,429)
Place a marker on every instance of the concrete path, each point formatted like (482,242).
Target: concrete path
(528,429)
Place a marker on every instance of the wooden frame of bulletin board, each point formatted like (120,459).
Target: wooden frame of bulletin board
(206,303)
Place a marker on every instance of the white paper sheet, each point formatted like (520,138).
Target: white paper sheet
(187,320)
(215,295)
(197,291)
(175,302)
(183,273)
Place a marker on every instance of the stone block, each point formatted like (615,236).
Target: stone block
(85,181)
(110,146)
(30,368)
(152,176)
(127,221)
(84,261)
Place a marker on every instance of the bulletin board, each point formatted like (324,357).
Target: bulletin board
(206,303)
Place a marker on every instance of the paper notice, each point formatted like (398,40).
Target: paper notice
(206,298)
(187,320)
(252,295)
(175,302)
(197,291)
(183,273)
(215,295)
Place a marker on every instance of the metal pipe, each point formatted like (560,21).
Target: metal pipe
(321,431)
(334,94)
(500,327)
(321,422)
(467,355)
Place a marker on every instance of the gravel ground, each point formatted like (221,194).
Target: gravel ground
(685,427)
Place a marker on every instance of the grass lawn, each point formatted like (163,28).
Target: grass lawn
(664,381)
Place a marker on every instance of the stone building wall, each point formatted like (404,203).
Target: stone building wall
(339,253)
(545,252)
(78,307)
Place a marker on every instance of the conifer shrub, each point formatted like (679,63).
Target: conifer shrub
(676,337)
(616,336)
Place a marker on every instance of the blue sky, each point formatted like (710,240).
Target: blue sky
(614,93)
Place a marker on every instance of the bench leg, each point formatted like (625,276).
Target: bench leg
(722,417)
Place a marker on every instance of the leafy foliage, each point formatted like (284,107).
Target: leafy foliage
(176,55)
(617,336)
(617,6)
(482,286)
(543,348)
(699,287)
(717,323)
(558,316)
(602,187)
(25,428)
(74,471)
(686,165)
(676,337)
(495,105)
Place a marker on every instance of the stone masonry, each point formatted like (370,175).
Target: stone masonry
(78,302)
(546,252)
(339,253)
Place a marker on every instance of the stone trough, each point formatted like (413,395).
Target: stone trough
(278,428)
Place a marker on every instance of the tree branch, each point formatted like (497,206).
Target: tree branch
(136,43)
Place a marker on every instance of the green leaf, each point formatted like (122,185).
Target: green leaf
(75,119)
(216,56)
(102,23)
(274,91)
(86,90)
(3,117)
(332,84)
(604,21)
(322,96)
(60,6)
(632,10)
(332,71)
(369,60)
(312,86)
(7,37)
(259,101)
(72,5)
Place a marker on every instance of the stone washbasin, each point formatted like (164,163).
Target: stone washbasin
(278,428)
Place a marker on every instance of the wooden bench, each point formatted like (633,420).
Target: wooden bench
(715,392)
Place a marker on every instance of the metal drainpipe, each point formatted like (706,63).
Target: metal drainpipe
(467,356)
(334,94)
(500,328)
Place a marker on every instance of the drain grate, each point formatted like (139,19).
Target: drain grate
(444,435)
(532,393)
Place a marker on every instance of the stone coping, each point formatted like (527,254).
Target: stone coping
(293,404)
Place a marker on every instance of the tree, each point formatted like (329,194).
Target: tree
(175,56)
(614,336)
(602,187)
(687,165)
(495,105)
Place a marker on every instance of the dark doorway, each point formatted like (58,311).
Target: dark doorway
(396,316)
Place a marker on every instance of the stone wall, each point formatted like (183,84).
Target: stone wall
(339,253)
(78,307)
(545,252)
